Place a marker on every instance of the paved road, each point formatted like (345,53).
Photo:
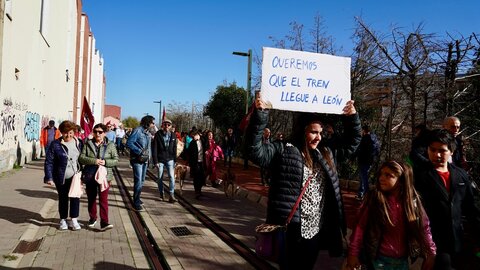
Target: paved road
(28,213)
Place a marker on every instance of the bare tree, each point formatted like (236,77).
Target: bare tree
(409,63)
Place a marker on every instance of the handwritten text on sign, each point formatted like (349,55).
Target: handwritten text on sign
(304,81)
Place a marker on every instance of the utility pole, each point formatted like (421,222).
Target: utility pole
(249,75)
(159,113)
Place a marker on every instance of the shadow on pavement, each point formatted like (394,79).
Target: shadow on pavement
(38,193)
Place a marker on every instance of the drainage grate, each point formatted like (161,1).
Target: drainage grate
(25,247)
(181,231)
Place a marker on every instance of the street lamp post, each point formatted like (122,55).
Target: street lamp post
(249,74)
(159,112)
(249,86)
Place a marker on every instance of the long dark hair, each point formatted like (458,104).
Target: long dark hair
(322,148)
(413,209)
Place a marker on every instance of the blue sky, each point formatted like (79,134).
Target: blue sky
(182,50)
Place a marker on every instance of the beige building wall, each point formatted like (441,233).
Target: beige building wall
(96,84)
(37,74)
(90,73)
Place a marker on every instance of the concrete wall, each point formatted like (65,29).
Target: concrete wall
(96,86)
(39,60)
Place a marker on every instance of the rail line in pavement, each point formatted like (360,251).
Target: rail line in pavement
(238,246)
(153,253)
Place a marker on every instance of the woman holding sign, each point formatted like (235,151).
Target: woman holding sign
(319,221)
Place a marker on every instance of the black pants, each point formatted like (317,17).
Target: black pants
(64,200)
(301,253)
(198,177)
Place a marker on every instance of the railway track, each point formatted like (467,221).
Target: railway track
(152,250)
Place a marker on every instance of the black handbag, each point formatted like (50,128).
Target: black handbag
(89,171)
(143,157)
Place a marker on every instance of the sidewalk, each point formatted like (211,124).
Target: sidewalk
(30,238)
(29,221)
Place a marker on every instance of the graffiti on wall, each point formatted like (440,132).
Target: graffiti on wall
(17,123)
(32,126)
(45,119)
(8,124)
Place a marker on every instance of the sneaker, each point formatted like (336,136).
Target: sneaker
(91,223)
(75,225)
(172,199)
(63,225)
(106,226)
(162,199)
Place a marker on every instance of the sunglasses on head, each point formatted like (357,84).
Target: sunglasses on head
(98,131)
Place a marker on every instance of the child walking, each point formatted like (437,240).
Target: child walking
(392,224)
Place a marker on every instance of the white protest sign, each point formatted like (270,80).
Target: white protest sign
(304,81)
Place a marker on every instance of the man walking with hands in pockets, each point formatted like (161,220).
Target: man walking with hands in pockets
(164,153)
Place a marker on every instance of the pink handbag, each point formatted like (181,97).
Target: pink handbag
(76,188)
(101,178)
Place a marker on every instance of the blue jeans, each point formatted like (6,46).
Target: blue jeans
(170,170)
(139,172)
(119,144)
(364,169)
(228,154)
(387,263)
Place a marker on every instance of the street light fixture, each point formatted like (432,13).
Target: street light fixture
(249,74)
(159,112)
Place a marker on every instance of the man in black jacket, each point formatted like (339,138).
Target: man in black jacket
(367,153)
(164,153)
(196,161)
(447,196)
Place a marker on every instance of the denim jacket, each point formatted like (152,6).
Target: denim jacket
(138,140)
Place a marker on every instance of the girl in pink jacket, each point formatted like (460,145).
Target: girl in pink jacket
(393,225)
(212,154)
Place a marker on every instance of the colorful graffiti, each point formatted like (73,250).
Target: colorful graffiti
(32,126)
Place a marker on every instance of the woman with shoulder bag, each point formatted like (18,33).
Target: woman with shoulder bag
(61,164)
(98,152)
(304,165)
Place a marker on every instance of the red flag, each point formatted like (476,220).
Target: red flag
(87,120)
(246,119)
(164,115)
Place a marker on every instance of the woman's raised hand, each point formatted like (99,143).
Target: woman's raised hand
(349,109)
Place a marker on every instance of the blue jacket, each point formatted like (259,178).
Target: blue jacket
(56,161)
(138,140)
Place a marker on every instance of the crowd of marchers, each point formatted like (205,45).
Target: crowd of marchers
(415,209)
